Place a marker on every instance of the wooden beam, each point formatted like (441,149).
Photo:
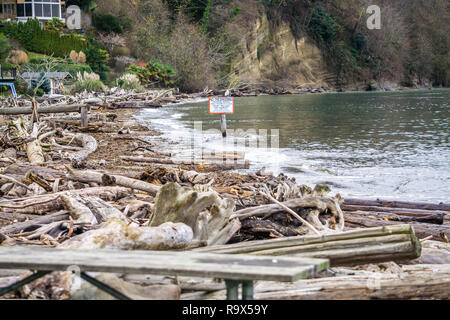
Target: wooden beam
(394,243)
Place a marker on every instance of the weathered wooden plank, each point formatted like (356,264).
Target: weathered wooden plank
(239,267)
(308,239)
(348,248)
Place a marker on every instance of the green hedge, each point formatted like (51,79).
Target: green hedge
(33,38)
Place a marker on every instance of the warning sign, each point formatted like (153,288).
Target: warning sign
(221,105)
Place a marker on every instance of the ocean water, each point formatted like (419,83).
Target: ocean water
(388,145)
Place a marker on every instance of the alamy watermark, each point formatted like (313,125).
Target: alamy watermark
(374,20)
(73,18)
(208,147)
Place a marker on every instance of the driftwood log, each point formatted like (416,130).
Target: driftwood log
(394,243)
(397,204)
(49,109)
(110,179)
(218,165)
(410,282)
(45,203)
(423,230)
(116,234)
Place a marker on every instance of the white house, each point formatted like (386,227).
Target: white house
(22,10)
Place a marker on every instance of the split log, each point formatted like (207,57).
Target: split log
(394,243)
(423,230)
(109,179)
(116,234)
(398,204)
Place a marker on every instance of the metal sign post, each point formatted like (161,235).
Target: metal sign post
(222,106)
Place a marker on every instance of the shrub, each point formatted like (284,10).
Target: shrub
(81,57)
(97,59)
(107,23)
(55,25)
(33,38)
(21,86)
(322,25)
(73,56)
(88,82)
(18,57)
(153,72)
(121,51)
(130,81)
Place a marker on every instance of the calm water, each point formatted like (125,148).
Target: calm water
(386,145)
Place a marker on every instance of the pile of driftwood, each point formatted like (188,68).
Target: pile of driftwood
(113,97)
(66,186)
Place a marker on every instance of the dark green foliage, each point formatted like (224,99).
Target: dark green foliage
(33,38)
(154,72)
(21,86)
(107,23)
(55,25)
(322,25)
(236,10)
(97,59)
(4,47)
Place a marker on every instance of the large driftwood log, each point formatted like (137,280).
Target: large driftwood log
(131,290)
(219,165)
(432,218)
(398,204)
(23,168)
(206,213)
(413,213)
(109,179)
(35,223)
(423,230)
(394,243)
(49,109)
(434,252)
(46,203)
(116,234)
(411,282)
